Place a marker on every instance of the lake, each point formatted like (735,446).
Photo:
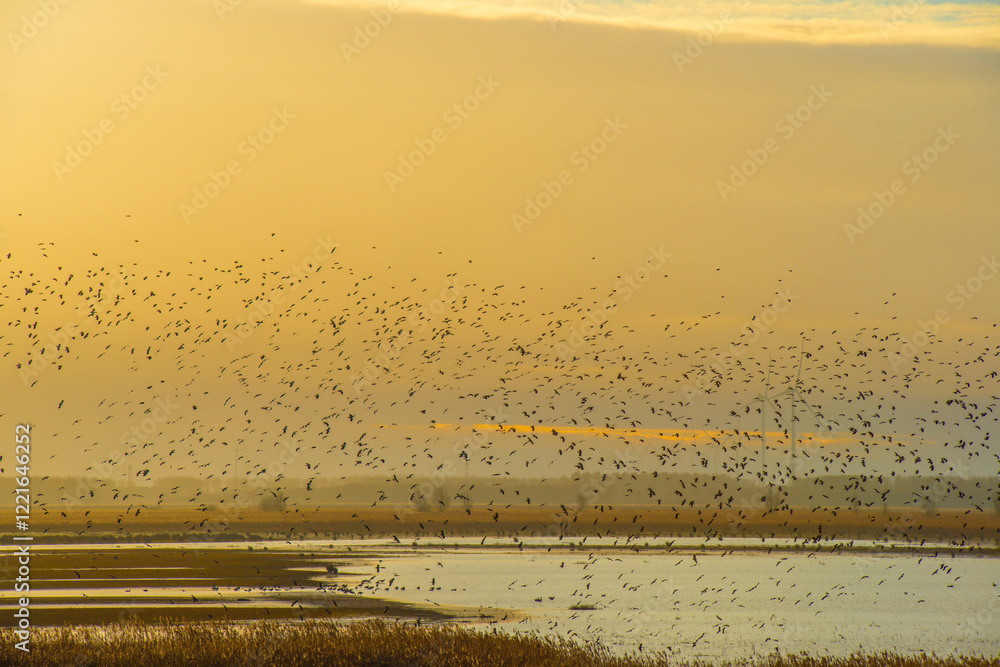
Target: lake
(690,601)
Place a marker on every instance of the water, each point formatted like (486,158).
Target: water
(689,602)
(709,605)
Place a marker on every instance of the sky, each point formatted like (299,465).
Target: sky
(475,205)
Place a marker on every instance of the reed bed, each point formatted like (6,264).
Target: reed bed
(369,644)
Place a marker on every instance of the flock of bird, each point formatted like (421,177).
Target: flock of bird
(231,372)
(209,371)
(676,597)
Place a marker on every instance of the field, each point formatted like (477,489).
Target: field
(963,527)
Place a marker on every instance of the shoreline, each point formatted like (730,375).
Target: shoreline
(569,545)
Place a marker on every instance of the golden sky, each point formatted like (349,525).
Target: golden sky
(557,146)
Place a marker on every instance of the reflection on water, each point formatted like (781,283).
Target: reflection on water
(714,605)
(687,601)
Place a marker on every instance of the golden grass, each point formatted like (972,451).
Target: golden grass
(369,644)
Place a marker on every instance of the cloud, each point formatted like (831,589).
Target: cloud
(906,21)
(690,436)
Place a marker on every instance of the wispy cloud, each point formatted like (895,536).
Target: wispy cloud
(690,436)
(906,21)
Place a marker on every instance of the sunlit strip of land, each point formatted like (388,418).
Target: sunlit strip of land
(960,527)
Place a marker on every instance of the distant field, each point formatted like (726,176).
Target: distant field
(958,526)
